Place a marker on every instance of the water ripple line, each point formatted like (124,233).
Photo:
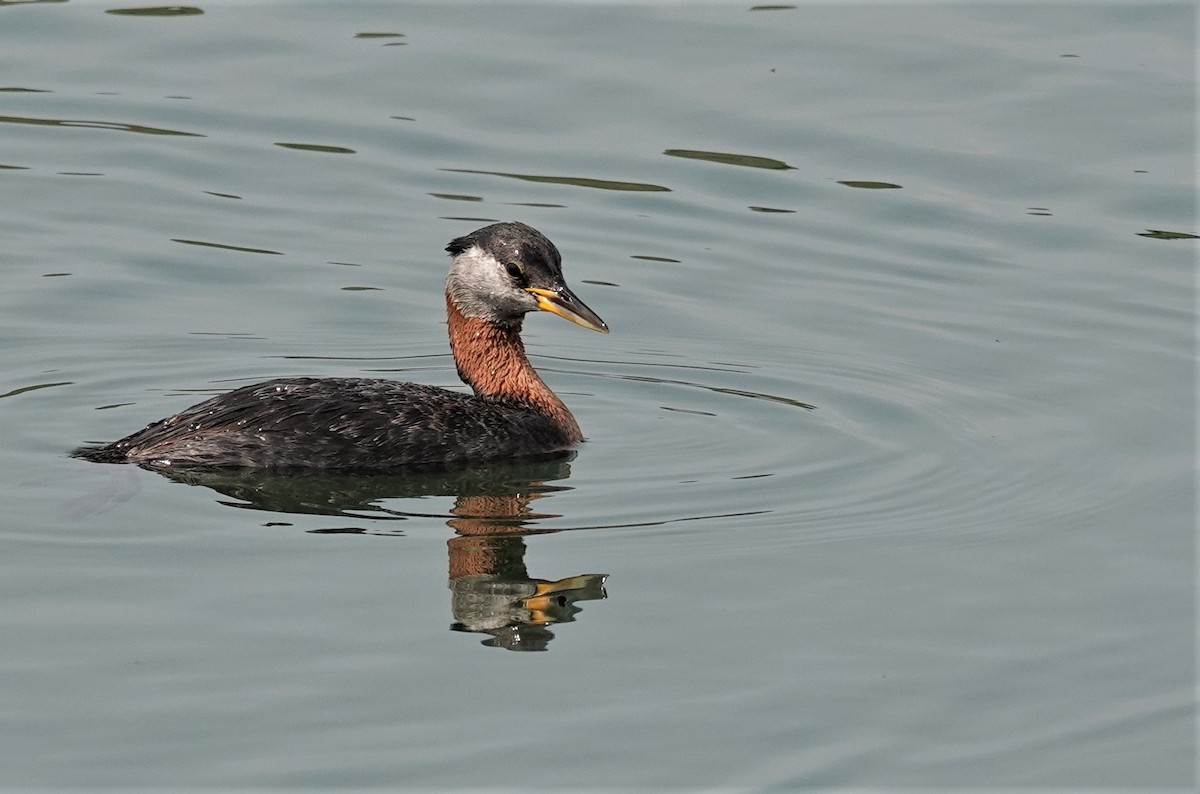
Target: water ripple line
(98,125)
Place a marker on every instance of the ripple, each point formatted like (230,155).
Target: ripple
(868,185)
(837,448)
(753,395)
(576,181)
(939,455)
(157,11)
(227,247)
(35,387)
(729,158)
(1162,234)
(98,125)
(315,147)
(456,197)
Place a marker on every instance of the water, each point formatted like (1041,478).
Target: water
(892,486)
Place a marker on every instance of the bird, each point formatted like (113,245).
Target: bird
(498,274)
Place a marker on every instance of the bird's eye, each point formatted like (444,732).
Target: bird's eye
(515,272)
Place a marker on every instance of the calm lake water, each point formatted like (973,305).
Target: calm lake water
(890,479)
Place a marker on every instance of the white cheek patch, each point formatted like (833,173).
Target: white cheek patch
(480,287)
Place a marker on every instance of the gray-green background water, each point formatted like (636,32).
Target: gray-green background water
(891,457)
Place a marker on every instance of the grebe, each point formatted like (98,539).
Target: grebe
(498,274)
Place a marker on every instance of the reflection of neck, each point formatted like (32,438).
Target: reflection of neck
(495,556)
(489,529)
(491,360)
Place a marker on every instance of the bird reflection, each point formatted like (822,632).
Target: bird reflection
(491,590)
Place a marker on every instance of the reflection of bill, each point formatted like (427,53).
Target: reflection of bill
(491,590)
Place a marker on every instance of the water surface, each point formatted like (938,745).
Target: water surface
(890,470)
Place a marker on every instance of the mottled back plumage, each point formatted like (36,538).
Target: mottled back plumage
(344,423)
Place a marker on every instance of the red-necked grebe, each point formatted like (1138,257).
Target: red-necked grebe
(498,274)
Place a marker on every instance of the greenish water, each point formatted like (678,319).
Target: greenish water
(890,472)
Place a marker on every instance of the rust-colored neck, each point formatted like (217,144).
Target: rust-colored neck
(491,360)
